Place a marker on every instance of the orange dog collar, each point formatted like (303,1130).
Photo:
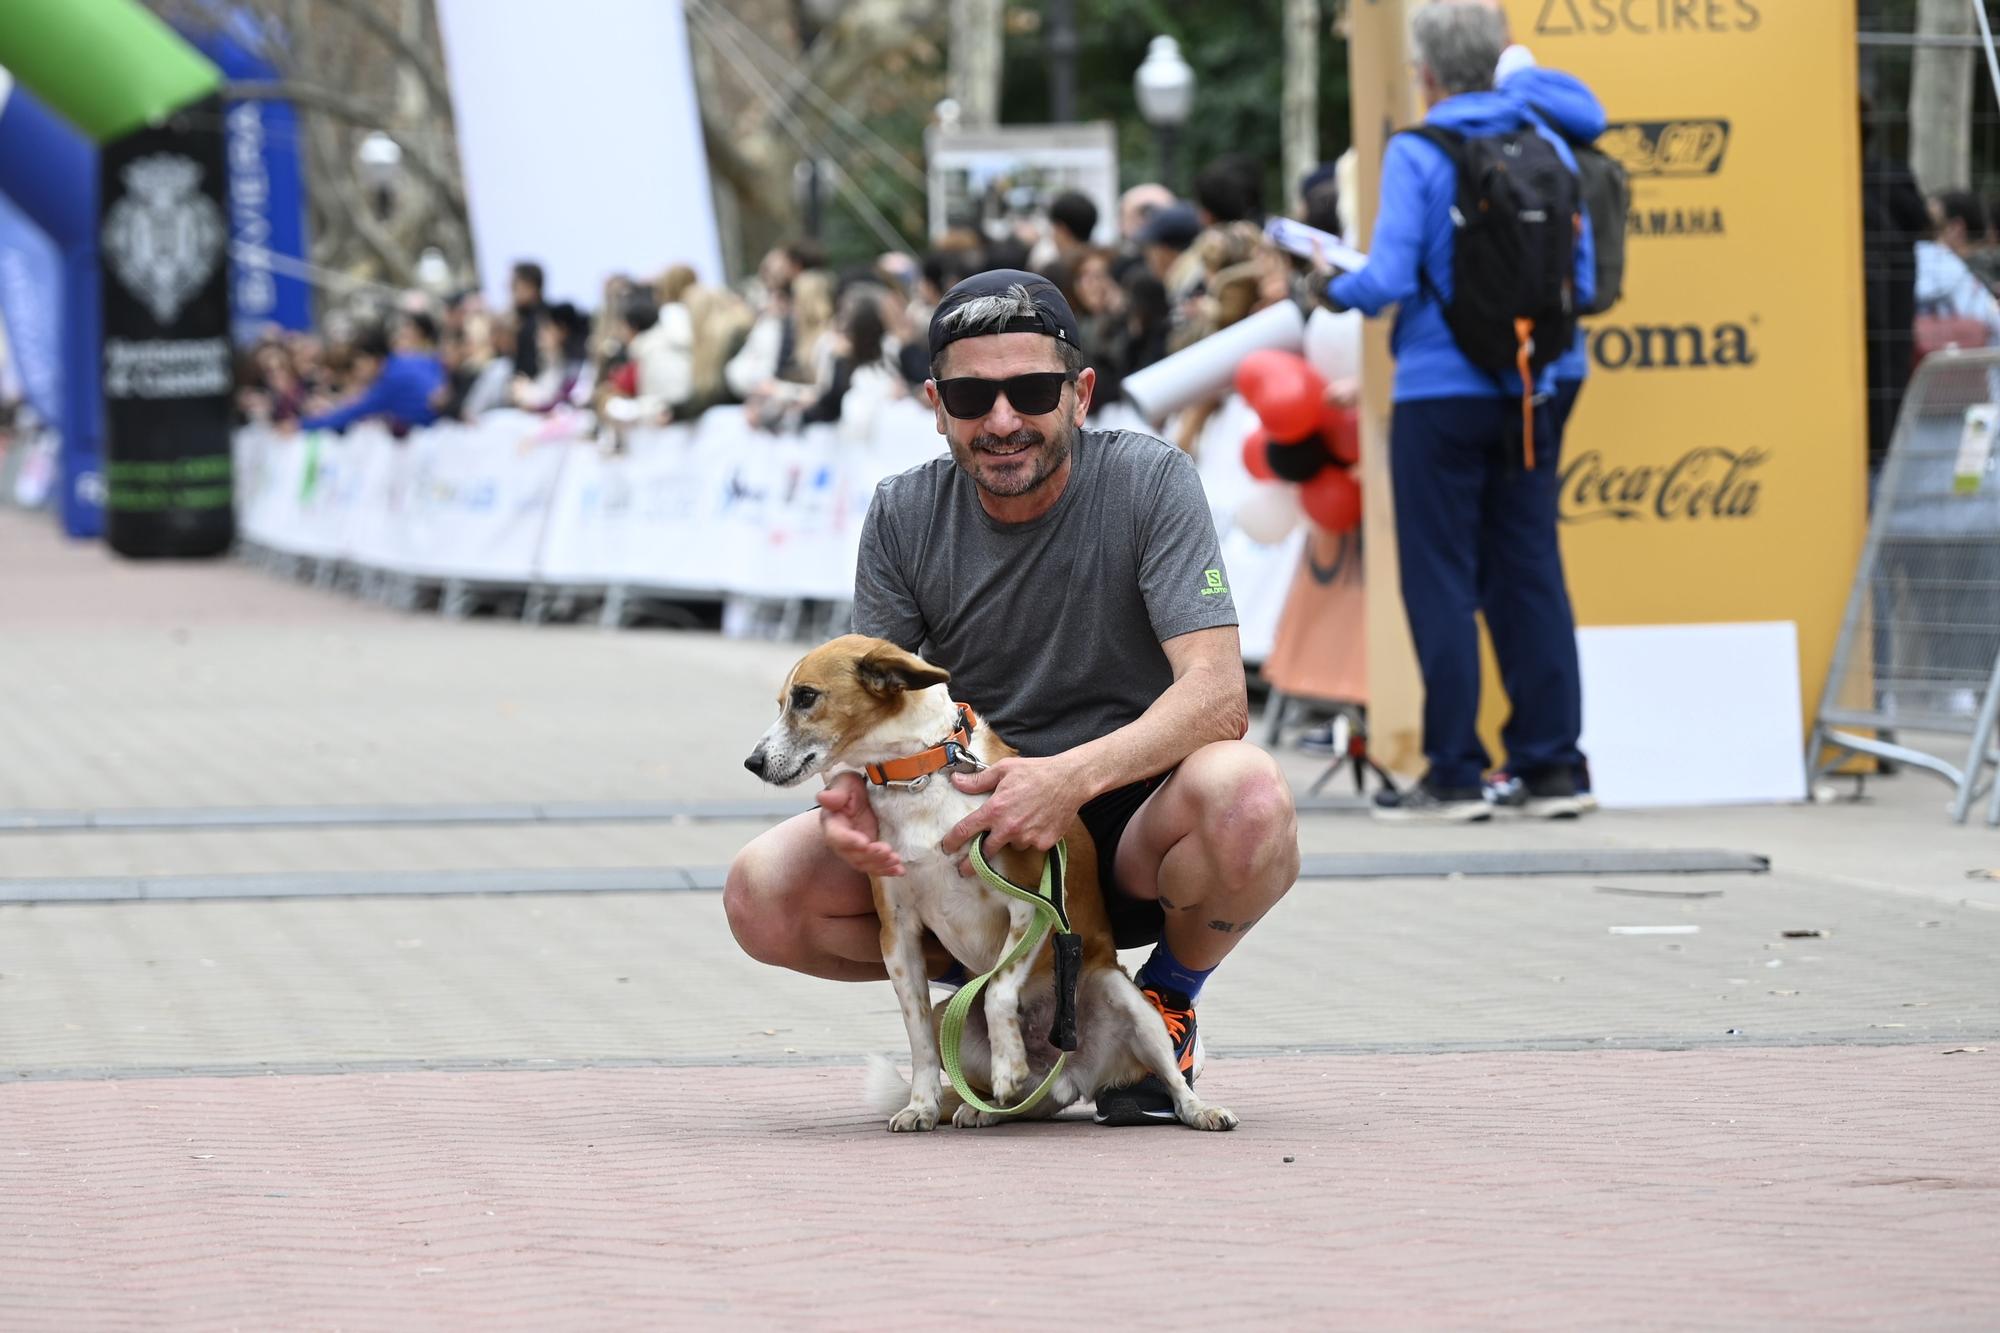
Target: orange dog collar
(950,752)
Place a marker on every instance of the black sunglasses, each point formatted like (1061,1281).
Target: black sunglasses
(969,399)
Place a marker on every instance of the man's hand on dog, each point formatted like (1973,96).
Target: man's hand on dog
(848,824)
(1032,804)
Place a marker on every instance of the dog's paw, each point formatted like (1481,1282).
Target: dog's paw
(1010,1083)
(1211,1117)
(971,1117)
(913,1119)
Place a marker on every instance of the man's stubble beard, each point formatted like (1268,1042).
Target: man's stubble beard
(1049,456)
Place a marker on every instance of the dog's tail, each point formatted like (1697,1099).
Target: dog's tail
(885,1091)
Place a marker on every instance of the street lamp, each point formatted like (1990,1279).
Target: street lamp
(1062,61)
(809,189)
(380,160)
(1164,85)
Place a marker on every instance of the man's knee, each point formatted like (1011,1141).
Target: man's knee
(762,928)
(1244,804)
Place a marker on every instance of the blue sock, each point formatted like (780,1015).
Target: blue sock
(955,975)
(1163,971)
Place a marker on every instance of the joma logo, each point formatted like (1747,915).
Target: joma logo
(1671,346)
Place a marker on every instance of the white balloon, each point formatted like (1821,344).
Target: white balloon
(1269,513)
(1333,344)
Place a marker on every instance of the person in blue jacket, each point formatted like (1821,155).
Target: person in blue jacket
(1564,103)
(403,390)
(1475,527)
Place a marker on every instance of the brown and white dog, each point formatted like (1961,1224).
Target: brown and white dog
(857,703)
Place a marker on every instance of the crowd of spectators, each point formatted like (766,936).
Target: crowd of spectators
(1933,269)
(799,343)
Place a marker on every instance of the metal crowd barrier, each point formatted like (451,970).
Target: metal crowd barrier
(1919,647)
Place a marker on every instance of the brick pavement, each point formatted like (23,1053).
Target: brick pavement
(1808,1189)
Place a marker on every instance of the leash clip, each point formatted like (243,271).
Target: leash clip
(958,759)
(1068,971)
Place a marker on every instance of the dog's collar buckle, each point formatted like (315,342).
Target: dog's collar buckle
(911,772)
(958,759)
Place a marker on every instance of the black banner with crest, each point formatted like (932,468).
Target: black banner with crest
(169,367)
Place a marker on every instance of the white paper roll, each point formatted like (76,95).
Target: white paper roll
(1205,369)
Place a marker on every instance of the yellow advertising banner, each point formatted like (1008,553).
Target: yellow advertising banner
(1714,468)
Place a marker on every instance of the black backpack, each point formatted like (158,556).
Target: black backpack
(1607,200)
(1514,256)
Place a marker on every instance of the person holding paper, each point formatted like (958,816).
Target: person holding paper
(1475,499)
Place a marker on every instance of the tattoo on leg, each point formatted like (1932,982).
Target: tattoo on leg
(1232,927)
(1173,906)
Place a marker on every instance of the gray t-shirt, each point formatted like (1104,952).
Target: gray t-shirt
(1052,628)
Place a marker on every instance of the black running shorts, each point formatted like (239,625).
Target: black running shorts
(1134,921)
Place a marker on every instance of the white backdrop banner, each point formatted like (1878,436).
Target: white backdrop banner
(562,109)
(651,517)
(712,509)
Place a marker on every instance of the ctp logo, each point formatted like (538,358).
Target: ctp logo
(1656,153)
(1667,147)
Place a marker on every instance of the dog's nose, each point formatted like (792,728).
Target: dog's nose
(755,763)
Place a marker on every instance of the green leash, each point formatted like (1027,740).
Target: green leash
(1048,903)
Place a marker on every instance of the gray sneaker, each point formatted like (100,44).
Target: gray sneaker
(1549,795)
(1425,804)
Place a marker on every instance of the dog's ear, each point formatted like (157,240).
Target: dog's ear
(886,669)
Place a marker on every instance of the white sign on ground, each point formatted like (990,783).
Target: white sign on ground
(1692,714)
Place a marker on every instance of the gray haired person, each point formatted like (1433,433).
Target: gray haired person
(1475,498)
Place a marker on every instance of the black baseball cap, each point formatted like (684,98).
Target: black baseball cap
(1175,225)
(1052,313)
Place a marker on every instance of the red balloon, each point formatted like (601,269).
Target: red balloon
(1285,390)
(1256,461)
(1332,500)
(1340,427)
(1253,370)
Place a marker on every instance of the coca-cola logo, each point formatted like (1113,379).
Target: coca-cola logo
(1709,482)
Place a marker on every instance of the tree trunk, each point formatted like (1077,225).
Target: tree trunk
(1299,132)
(1941,98)
(975,61)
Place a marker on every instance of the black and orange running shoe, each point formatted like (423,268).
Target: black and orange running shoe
(1149,1102)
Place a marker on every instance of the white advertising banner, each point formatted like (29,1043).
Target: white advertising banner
(473,507)
(580,137)
(651,517)
(794,515)
(706,510)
